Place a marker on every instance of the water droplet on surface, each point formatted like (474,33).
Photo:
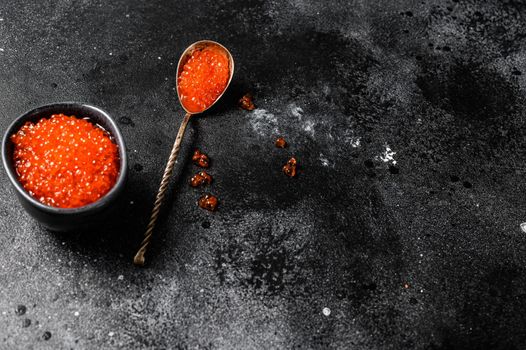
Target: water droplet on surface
(393,169)
(126,121)
(368,163)
(20,310)
(467,184)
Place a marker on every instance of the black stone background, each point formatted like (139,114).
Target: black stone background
(426,253)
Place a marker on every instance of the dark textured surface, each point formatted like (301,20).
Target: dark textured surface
(407,119)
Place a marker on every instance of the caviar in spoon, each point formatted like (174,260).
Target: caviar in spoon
(204,72)
(204,78)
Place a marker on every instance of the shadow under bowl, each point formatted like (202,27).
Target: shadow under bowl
(67,219)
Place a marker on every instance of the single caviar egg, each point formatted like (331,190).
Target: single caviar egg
(203,78)
(65,162)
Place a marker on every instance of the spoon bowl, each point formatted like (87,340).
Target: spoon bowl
(185,56)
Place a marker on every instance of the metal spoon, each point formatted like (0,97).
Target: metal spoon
(199,45)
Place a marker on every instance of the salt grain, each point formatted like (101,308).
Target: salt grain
(387,156)
(326,311)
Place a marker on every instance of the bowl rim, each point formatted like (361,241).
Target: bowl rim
(98,204)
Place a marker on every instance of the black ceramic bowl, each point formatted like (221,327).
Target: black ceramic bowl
(66,219)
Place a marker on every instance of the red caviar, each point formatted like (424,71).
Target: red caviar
(203,78)
(64,161)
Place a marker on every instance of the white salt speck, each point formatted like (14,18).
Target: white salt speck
(1,19)
(59,260)
(355,142)
(132,202)
(387,156)
(296,111)
(421,255)
(324,160)
(1,50)
(111,53)
(309,127)
(159,57)
(523,227)
(111,334)
(421,291)
(263,122)
(120,278)
(127,15)
(326,311)
(4,313)
(76,314)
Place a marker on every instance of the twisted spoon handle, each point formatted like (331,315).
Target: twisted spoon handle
(139,257)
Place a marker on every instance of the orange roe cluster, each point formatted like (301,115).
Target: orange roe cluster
(64,161)
(203,78)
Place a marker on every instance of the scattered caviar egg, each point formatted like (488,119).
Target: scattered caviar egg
(290,168)
(203,78)
(246,103)
(64,161)
(280,142)
(208,202)
(201,178)
(200,159)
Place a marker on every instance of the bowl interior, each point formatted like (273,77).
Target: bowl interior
(96,116)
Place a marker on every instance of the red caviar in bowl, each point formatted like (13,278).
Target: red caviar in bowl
(65,162)
(203,78)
